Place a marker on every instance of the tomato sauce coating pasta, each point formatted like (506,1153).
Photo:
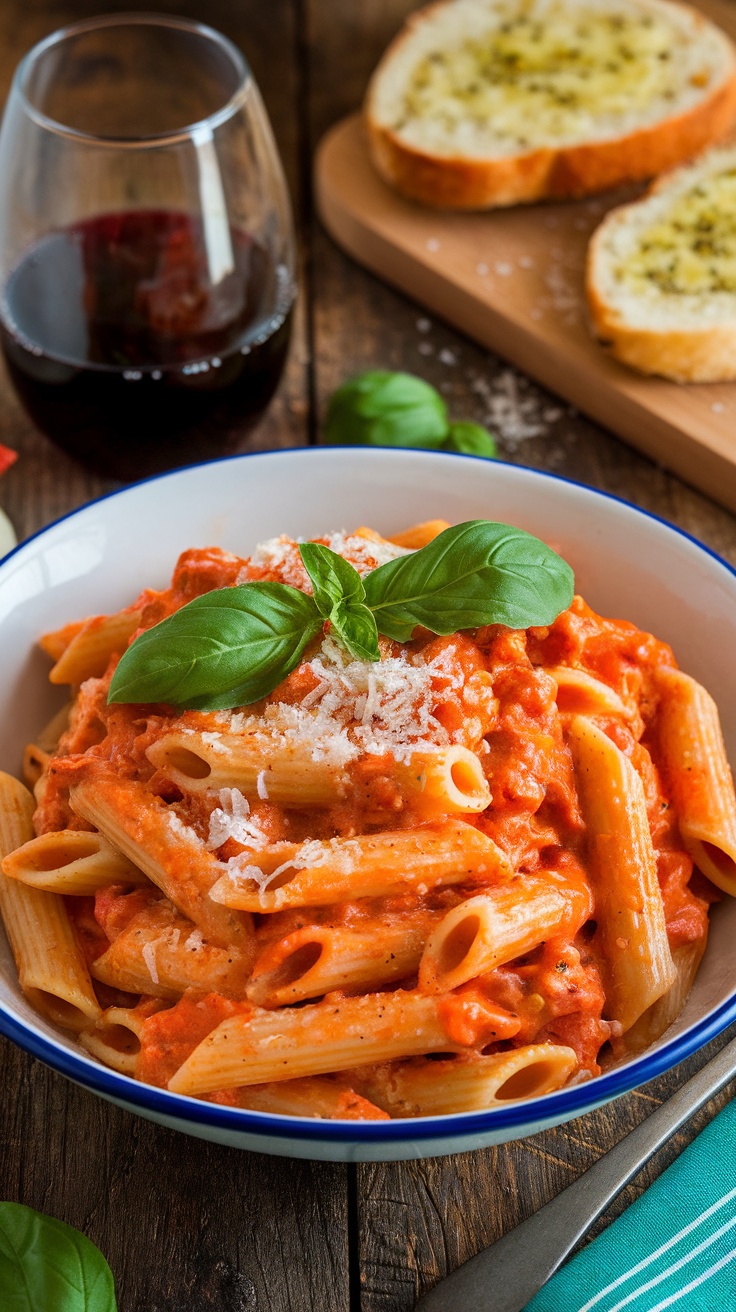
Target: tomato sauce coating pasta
(440,793)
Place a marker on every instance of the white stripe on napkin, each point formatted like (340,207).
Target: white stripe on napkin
(674,1298)
(670,1270)
(640,1266)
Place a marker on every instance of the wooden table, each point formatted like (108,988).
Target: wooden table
(187,1226)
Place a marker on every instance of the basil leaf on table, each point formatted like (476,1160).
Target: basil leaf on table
(380,408)
(470,440)
(227,648)
(339,596)
(46,1266)
(472,574)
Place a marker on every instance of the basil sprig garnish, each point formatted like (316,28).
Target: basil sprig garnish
(339,595)
(233,646)
(45,1263)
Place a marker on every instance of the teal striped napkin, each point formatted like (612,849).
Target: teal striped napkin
(675,1247)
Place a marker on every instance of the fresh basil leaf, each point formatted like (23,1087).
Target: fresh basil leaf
(472,574)
(379,408)
(334,579)
(356,629)
(340,598)
(227,648)
(470,440)
(45,1265)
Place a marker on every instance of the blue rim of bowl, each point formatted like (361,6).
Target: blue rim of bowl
(530,1114)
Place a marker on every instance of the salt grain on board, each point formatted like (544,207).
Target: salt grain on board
(513,407)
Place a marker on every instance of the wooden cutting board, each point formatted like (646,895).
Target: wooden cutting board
(513,280)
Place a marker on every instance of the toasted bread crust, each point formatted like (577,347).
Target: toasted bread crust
(683,357)
(682,354)
(548,173)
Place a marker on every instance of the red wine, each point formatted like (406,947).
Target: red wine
(129,355)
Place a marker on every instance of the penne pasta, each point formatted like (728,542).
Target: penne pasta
(419,534)
(495,927)
(579,693)
(35,761)
(444,782)
(318,959)
(623,870)
(116,1038)
(326,1098)
(37,755)
(88,653)
(71,861)
(332,1035)
(139,825)
(317,873)
(423,884)
(694,760)
(161,953)
(423,1087)
(51,969)
(55,643)
(653,1023)
(196,762)
(49,736)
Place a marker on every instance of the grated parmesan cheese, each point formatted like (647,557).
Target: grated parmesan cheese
(280,556)
(365,554)
(240,872)
(231,820)
(214,740)
(357,707)
(195,941)
(148,952)
(341,853)
(261,786)
(181,829)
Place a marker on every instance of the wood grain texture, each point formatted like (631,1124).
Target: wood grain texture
(189,1226)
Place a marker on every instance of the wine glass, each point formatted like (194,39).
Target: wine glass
(146,244)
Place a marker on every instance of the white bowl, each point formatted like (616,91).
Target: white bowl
(628,564)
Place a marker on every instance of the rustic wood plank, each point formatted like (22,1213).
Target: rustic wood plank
(184,1224)
(417,1221)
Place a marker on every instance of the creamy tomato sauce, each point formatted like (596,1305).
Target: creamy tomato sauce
(490,691)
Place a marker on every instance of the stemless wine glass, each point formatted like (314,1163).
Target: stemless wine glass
(146,245)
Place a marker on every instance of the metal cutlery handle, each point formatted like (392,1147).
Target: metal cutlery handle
(505,1276)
